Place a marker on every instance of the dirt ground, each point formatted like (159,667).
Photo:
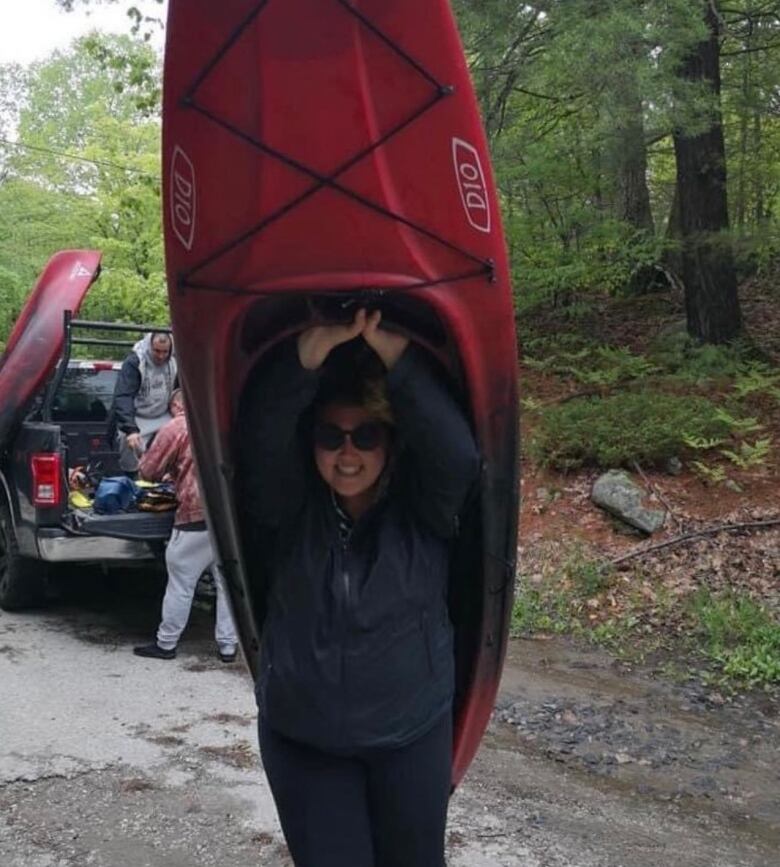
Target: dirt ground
(113,761)
(558,520)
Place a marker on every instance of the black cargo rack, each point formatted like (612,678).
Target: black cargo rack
(69,323)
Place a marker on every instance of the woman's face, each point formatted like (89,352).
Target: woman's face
(350,471)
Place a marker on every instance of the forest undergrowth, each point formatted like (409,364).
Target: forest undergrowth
(609,382)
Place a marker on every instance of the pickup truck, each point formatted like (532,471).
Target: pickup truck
(54,418)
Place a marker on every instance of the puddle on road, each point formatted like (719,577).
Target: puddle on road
(628,731)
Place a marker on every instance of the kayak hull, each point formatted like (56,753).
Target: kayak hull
(35,343)
(348,168)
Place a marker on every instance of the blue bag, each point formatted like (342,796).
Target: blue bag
(115,494)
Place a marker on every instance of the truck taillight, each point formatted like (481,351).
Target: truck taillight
(46,480)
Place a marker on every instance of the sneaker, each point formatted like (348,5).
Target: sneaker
(228,655)
(154,651)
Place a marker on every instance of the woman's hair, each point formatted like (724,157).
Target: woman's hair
(376,402)
(353,375)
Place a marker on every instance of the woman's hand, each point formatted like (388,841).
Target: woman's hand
(315,344)
(387,345)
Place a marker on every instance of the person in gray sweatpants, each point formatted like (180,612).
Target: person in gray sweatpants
(189,553)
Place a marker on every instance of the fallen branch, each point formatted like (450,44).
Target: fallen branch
(604,391)
(653,490)
(686,537)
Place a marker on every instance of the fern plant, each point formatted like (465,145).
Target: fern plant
(702,443)
(749,455)
(710,475)
(739,426)
(756,378)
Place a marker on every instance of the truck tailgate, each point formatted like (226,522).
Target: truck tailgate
(141,526)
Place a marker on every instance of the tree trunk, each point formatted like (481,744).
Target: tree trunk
(760,215)
(629,158)
(633,203)
(626,161)
(741,206)
(711,301)
(672,257)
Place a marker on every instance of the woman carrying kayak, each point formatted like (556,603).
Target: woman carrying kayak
(361,479)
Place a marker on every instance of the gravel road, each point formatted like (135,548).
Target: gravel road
(115,761)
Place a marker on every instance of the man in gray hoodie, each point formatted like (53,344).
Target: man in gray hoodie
(141,397)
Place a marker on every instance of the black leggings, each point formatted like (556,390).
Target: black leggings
(379,808)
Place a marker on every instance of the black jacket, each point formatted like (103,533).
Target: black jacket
(122,415)
(357,646)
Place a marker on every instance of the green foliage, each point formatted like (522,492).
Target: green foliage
(646,426)
(757,378)
(76,104)
(144,14)
(622,635)
(11,300)
(529,403)
(734,364)
(587,577)
(700,443)
(119,295)
(136,73)
(556,604)
(34,223)
(604,257)
(600,366)
(739,426)
(548,345)
(580,100)
(540,610)
(13,87)
(87,176)
(570,93)
(735,634)
(748,454)
(744,455)
(618,364)
(758,251)
(692,362)
(706,362)
(710,475)
(740,636)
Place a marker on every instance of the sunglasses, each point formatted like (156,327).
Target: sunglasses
(365,437)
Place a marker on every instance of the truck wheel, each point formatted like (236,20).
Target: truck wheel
(22,581)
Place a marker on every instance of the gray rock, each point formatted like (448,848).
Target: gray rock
(619,495)
(674,466)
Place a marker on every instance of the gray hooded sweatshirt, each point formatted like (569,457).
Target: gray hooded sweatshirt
(143,391)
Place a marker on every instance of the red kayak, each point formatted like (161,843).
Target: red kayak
(320,154)
(35,343)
